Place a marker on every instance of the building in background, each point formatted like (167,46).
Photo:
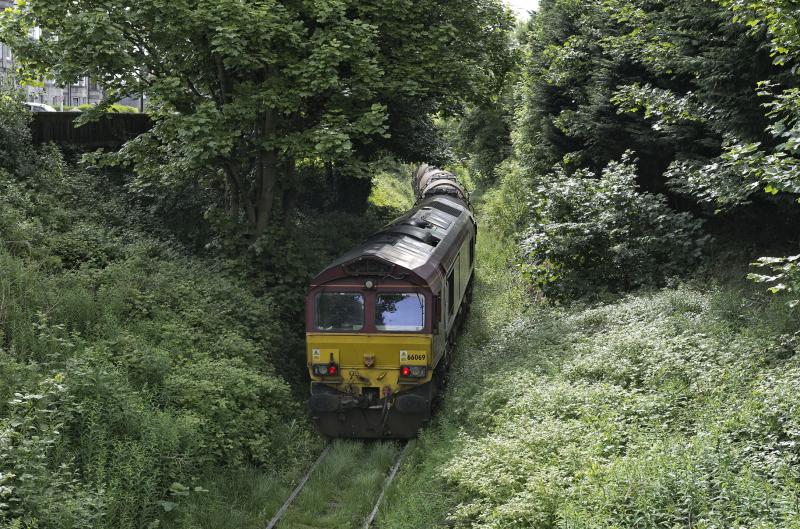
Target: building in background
(85,91)
(6,59)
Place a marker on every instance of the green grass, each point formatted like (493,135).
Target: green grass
(670,408)
(420,497)
(391,189)
(343,489)
(242,498)
(131,372)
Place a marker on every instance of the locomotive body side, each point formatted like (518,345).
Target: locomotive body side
(381,320)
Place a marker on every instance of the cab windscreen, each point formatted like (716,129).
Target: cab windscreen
(339,311)
(404,312)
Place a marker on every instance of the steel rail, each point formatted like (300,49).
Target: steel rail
(282,511)
(371,518)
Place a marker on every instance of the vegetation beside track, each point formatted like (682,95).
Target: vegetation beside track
(671,407)
(151,372)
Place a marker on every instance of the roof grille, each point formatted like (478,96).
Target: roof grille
(368,267)
(441,206)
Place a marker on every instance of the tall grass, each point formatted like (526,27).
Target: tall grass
(669,408)
(131,374)
(391,189)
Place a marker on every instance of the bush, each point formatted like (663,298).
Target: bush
(785,276)
(676,408)
(116,382)
(128,369)
(654,411)
(592,234)
(115,108)
(15,134)
(506,205)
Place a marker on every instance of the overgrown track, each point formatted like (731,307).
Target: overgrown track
(279,515)
(371,518)
(343,489)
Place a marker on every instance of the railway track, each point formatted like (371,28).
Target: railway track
(343,489)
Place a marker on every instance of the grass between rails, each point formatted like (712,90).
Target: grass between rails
(342,491)
(339,494)
(673,408)
(238,498)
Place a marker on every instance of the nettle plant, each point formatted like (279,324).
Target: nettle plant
(785,276)
(601,233)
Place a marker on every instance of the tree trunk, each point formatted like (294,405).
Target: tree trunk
(233,199)
(289,201)
(238,193)
(268,173)
(266,179)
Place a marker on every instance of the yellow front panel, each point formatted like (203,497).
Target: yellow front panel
(369,360)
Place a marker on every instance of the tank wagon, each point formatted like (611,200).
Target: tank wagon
(381,320)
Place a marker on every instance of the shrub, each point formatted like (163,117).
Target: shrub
(33,490)
(506,205)
(785,276)
(15,134)
(593,234)
(652,411)
(115,108)
(127,367)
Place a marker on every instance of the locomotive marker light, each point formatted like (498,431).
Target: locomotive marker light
(413,371)
(325,370)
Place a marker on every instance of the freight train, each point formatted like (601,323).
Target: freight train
(382,319)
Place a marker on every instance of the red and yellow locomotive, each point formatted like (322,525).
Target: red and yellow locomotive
(381,320)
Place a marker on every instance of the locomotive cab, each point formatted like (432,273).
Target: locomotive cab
(380,322)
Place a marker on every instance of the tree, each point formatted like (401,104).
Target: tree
(665,78)
(770,164)
(258,90)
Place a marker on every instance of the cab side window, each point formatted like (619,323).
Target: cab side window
(451,289)
(472,252)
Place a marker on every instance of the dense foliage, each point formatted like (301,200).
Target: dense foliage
(668,408)
(593,233)
(151,299)
(703,93)
(247,97)
(127,367)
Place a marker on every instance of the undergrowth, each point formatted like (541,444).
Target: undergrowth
(134,377)
(665,408)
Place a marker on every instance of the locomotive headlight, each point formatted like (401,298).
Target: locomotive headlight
(413,371)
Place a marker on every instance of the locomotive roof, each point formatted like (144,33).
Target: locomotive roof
(419,243)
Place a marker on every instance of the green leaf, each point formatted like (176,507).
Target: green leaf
(168,506)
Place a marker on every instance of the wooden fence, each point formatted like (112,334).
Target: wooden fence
(111,131)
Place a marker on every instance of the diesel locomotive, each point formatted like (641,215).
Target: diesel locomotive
(381,320)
